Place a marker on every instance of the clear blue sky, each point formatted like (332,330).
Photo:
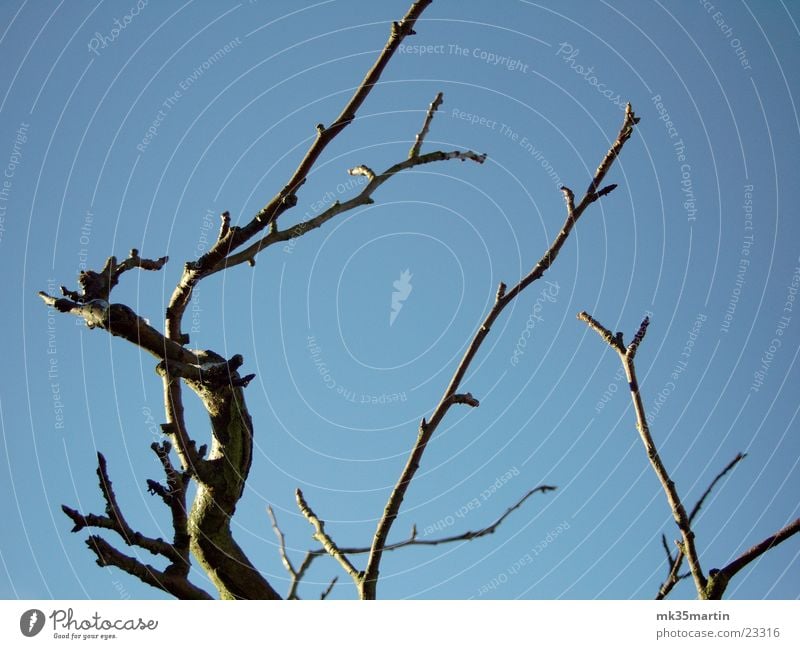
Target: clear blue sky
(113,138)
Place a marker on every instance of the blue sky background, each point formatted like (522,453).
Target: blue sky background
(668,241)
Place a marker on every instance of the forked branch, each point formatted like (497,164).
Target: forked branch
(627,355)
(326,541)
(712,587)
(174,579)
(232,237)
(364,197)
(675,563)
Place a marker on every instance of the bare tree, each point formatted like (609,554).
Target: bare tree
(220,469)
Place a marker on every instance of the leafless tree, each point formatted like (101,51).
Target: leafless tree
(220,470)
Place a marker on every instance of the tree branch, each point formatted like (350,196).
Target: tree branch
(423,132)
(301,571)
(363,198)
(175,585)
(298,574)
(326,541)
(114,520)
(678,512)
(327,591)
(286,198)
(674,576)
(696,509)
(97,286)
(718,579)
(400,30)
(174,496)
(287,563)
(469,535)
(120,320)
(221,478)
(175,427)
(174,579)
(427,428)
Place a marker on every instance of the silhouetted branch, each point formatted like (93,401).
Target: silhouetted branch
(664,545)
(174,496)
(97,286)
(696,509)
(174,579)
(327,591)
(177,586)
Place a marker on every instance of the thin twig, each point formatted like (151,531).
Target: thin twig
(412,540)
(464,536)
(326,541)
(327,591)
(305,564)
(174,496)
(664,545)
(673,577)
(696,509)
(174,579)
(420,138)
(120,525)
(471,535)
(98,285)
(364,197)
(175,427)
(287,563)
(177,586)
